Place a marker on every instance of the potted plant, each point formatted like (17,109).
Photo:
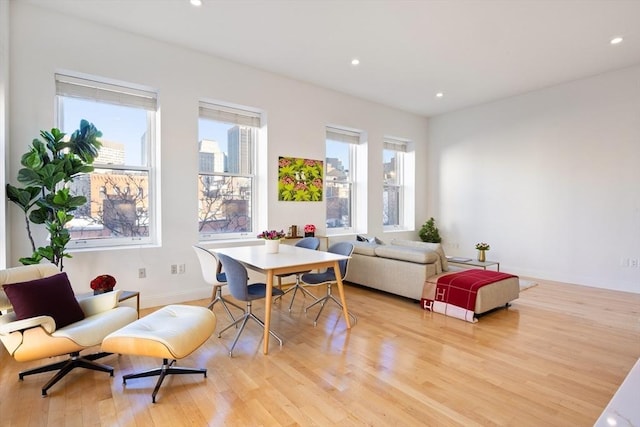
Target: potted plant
(272,240)
(46,199)
(309,230)
(429,232)
(482,248)
(103,284)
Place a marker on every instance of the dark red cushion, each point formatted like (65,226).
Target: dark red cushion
(49,296)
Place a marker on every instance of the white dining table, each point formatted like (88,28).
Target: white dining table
(289,259)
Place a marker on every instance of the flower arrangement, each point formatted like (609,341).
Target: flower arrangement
(309,228)
(271,235)
(482,246)
(103,283)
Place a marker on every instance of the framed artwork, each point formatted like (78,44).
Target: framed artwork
(300,180)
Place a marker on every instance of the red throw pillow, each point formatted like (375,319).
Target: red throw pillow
(49,296)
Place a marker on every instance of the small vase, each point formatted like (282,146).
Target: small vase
(312,234)
(272,246)
(482,255)
(101,291)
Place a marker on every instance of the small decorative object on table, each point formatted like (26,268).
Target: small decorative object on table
(309,230)
(103,283)
(272,240)
(482,248)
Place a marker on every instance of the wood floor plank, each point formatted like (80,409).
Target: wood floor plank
(555,357)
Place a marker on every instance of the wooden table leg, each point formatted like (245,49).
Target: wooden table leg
(336,268)
(267,312)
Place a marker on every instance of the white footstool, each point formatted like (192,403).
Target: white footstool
(173,332)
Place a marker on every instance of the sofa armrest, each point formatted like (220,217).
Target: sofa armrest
(95,304)
(436,247)
(47,323)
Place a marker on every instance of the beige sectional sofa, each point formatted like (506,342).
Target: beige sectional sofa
(400,267)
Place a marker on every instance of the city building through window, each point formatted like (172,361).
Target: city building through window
(120,190)
(393,182)
(226,176)
(339,178)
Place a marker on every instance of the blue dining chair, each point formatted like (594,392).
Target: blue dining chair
(312,243)
(238,282)
(328,277)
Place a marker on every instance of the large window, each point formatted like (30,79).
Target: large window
(226,172)
(340,175)
(393,179)
(120,190)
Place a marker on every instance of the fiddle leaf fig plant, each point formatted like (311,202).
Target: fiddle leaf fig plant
(48,167)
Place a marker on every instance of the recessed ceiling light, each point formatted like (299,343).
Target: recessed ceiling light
(439,95)
(355,61)
(616,40)
(196,2)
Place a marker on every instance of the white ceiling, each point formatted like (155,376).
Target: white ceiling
(475,51)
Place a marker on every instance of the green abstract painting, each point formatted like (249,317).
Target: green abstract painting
(300,180)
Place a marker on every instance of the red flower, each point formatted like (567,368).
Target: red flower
(103,282)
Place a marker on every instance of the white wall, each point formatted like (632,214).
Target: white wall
(4,116)
(551,179)
(43,43)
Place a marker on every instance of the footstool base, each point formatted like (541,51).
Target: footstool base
(166,369)
(171,333)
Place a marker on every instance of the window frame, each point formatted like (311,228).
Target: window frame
(239,116)
(353,138)
(109,91)
(400,148)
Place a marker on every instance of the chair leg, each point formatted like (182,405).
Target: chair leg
(261,323)
(225,303)
(244,319)
(229,326)
(166,369)
(323,300)
(66,366)
(297,286)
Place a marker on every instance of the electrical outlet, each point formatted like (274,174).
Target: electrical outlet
(174,269)
(181,268)
(633,262)
(142,273)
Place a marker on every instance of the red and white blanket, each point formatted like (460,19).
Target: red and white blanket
(455,294)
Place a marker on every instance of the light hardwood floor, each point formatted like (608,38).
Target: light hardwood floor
(554,358)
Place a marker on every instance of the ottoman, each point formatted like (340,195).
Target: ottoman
(171,333)
(500,291)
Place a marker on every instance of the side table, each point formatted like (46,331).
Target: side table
(474,263)
(125,295)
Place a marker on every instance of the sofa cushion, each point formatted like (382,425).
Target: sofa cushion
(436,247)
(404,253)
(49,296)
(364,248)
(362,238)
